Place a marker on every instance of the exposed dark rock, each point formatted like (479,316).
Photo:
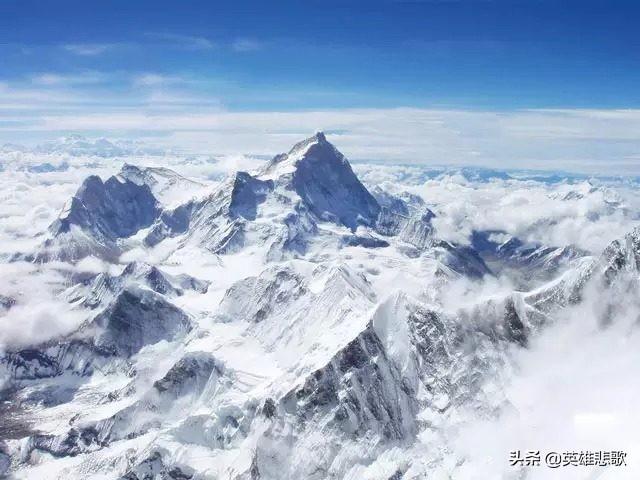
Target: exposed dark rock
(269,408)
(516,329)
(247,193)
(110,210)
(6,302)
(189,374)
(363,241)
(137,318)
(364,386)
(154,468)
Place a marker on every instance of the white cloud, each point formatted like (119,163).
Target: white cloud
(246,45)
(533,211)
(88,49)
(400,135)
(156,79)
(190,117)
(67,80)
(570,390)
(38,314)
(188,42)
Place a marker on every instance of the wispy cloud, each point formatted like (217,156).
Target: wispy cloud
(156,80)
(88,49)
(246,45)
(187,42)
(190,115)
(57,79)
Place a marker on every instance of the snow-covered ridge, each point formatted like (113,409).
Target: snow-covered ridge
(311,184)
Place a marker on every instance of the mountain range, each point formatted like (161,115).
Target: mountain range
(287,323)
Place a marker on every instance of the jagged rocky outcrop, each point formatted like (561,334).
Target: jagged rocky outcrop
(460,259)
(621,257)
(154,467)
(529,261)
(402,203)
(605,279)
(189,375)
(406,359)
(135,318)
(186,379)
(410,223)
(413,227)
(103,287)
(101,215)
(433,361)
(98,215)
(167,186)
(222,221)
(108,210)
(54,359)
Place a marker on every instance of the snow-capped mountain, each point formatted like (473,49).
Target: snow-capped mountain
(288,322)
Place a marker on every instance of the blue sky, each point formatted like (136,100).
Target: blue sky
(497,54)
(175,59)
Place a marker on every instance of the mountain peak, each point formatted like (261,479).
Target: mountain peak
(109,210)
(323,178)
(316,146)
(317,137)
(303,146)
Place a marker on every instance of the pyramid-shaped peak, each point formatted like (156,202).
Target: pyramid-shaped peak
(315,148)
(324,180)
(317,138)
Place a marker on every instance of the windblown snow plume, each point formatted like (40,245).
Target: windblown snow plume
(173,317)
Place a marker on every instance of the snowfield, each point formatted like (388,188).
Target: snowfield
(178,317)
